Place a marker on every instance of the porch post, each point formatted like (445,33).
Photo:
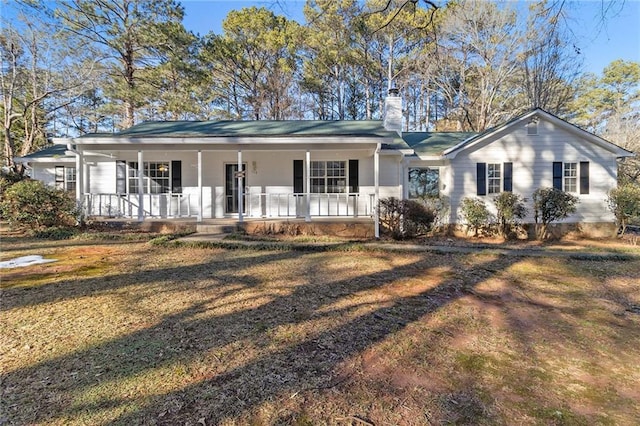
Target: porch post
(80,179)
(307,216)
(240,187)
(405,178)
(200,203)
(140,186)
(86,178)
(376,198)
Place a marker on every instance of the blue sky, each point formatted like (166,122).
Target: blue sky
(600,41)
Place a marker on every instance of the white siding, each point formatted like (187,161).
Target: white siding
(44,172)
(532,158)
(268,172)
(102,176)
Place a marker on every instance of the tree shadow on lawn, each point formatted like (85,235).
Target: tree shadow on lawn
(231,385)
(575,336)
(227,390)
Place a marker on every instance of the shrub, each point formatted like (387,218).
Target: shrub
(475,213)
(551,204)
(405,218)
(510,209)
(31,204)
(624,202)
(7,180)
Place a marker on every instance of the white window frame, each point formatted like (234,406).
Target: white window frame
(151,175)
(329,177)
(494,183)
(570,177)
(65,178)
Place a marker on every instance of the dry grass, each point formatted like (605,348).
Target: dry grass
(132,333)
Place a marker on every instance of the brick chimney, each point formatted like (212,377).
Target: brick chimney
(392,114)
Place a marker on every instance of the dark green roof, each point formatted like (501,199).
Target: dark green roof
(259,128)
(434,143)
(51,151)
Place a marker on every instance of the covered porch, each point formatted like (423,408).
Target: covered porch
(305,170)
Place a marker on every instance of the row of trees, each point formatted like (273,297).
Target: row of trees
(78,66)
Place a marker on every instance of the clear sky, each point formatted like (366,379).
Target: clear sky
(599,40)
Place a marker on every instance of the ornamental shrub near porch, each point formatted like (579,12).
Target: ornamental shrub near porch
(31,204)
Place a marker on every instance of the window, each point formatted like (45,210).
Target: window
(494,178)
(424,182)
(156,178)
(65,178)
(569,178)
(570,175)
(532,128)
(328,177)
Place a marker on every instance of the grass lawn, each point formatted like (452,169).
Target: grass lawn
(126,332)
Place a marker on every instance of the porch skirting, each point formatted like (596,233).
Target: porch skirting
(339,227)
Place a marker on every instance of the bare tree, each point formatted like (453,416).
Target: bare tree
(41,73)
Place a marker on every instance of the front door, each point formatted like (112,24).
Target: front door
(231,187)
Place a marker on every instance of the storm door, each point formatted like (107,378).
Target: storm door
(231,187)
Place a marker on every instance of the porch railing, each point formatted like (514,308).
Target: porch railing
(271,205)
(295,205)
(126,205)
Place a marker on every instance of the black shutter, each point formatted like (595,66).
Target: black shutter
(557,175)
(176,176)
(584,177)
(353,176)
(508,177)
(121,177)
(481,178)
(298,176)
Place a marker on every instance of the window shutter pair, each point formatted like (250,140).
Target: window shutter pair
(121,177)
(481,178)
(584,176)
(298,176)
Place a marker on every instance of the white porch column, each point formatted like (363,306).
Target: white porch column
(405,178)
(307,216)
(80,179)
(86,178)
(200,201)
(376,198)
(240,187)
(140,186)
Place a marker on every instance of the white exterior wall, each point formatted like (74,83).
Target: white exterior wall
(44,172)
(532,157)
(268,172)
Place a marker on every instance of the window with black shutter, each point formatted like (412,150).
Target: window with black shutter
(584,177)
(481,178)
(557,175)
(298,176)
(354,185)
(176,176)
(507,183)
